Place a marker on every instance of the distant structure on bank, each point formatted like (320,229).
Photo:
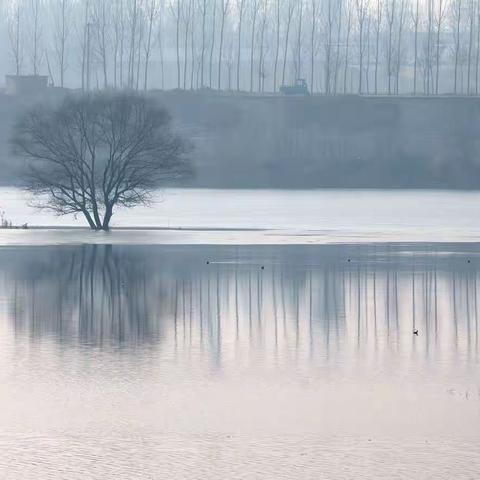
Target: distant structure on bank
(299,88)
(26,85)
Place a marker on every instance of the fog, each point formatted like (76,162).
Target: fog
(338,46)
(239,239)
(219,65)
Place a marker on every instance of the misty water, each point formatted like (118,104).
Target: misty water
(293,216)
(222,362)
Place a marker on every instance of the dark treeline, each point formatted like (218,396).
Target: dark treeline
(340,46)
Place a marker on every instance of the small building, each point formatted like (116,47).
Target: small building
(26,85)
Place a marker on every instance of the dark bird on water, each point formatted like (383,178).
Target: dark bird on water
(415,332)
(208,263)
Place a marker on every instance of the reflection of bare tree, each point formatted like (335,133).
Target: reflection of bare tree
(320,304)
(90,293)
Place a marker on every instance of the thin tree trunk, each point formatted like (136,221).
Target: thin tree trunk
(328,48)
(202,56)
(260,56)
(337,52)
(377,42)
(239,49)
(415,61)
(313,45)
(213,42)
(347,45)
(225,6)
(185,49)
(457,43)
(471,13)
(287,36)
(477,59)
(277,47)
(252,40)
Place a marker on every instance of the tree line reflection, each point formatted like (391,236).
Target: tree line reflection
(323,302)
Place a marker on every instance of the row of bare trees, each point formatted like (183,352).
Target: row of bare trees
(339,46)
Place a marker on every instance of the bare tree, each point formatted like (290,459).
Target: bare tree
(402,15)
(338,44)
(15,33)
(439,22)
(212,43)
(349,12)
(328,27)
(141,26)
(225,5)
(240,12)
(368,53)
(428,52)
(118,43)
(456,19)
(187,20)
(378,29)
(471,28)
(97,152)
(415,14)
(36,35)
(85,46)
(62,19)
(134,14)
(254,10)
(390,10)
(314,12)
(176,12)
(101,22)
(160,42)
(290,11)
(362,8)
(152,12)
(299,41)
(193,51)
(477,57)
(263,24)
(203,6)
(277,43)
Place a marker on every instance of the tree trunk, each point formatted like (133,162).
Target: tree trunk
(277,47)
(202,56)
(377,42)
(239,51)
(212,46)
(252,45)
(107,218)
(287,35)
(415,61)
(89,219)
(337,53)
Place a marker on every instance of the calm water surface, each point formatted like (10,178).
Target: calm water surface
(267,362)
(310,215)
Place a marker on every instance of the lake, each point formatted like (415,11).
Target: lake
(242,362)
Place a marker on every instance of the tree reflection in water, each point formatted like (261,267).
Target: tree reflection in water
(305,301)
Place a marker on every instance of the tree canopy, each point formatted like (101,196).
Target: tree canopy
(98,151)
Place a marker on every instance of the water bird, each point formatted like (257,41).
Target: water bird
(415,332)
(208,262)
(263,268)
